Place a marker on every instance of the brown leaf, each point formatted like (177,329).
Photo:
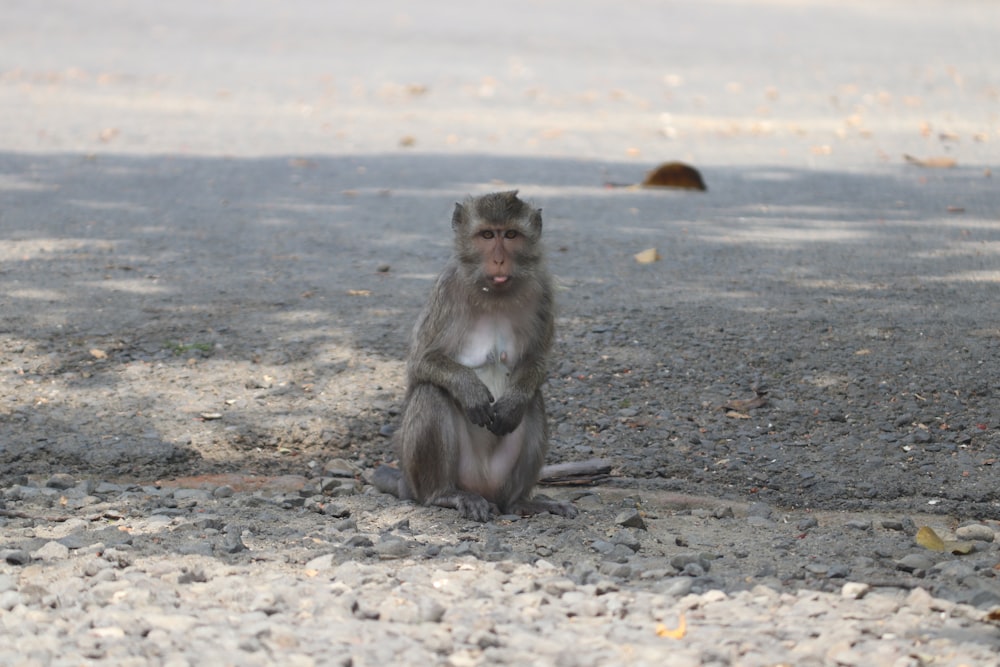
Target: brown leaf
(938,162)
(674,175)
(744,404)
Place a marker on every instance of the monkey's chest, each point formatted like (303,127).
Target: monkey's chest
(490,349)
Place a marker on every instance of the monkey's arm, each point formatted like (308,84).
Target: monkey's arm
(525,380)
(462,383)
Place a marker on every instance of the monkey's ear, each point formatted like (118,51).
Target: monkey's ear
(535,220)
(459,217)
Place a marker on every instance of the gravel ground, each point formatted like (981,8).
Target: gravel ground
(219,223)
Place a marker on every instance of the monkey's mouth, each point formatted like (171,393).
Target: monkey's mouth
(500,280)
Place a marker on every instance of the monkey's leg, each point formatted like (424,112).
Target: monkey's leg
(534,434)
(430,452)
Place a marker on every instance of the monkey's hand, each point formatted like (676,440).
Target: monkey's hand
(508,413)
(478,403)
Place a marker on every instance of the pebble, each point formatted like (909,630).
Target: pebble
(51,551)
(976,532)
(914,563)
(630,519)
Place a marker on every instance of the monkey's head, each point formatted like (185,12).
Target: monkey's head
(497,241)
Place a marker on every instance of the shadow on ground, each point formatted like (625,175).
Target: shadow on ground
(166,315)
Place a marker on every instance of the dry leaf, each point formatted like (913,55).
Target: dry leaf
(928,539)
(932,162)
(737,415)
(959,548)
(674,175)
(648,256)
(744,404)
(98,354)
(676,633)
(359,292)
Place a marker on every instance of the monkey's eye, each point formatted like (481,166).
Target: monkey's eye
(510,234)
(486,233)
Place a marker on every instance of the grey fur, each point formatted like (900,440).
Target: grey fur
(459,445)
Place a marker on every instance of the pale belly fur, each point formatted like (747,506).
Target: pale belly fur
(486,460)
(491,352)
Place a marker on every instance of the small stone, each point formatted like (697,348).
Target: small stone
(694,570)
(208,523)
(336,511)
(759,509)
(191,494)
(806,524)
(630,519)
(61,481)
(818,569)
(838,571)
(347,525)
(104,488)
(430,610)
(759,521)
(390,548)
(976,532)
(224,491)
(74,541)
(985,599)
(859,524)
(854,590)
(677,586)
(10,599)
(363,541)
(914,563)
(619,570)
(341,468)
(723,512)
(627,539)
(232,543)
(51,551)
(681,561)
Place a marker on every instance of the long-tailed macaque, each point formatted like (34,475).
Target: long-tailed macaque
(474,435)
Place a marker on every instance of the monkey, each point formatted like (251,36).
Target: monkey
(473,433)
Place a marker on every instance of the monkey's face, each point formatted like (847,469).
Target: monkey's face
(498,249)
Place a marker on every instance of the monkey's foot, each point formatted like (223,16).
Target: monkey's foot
(469,505)
(540,504)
